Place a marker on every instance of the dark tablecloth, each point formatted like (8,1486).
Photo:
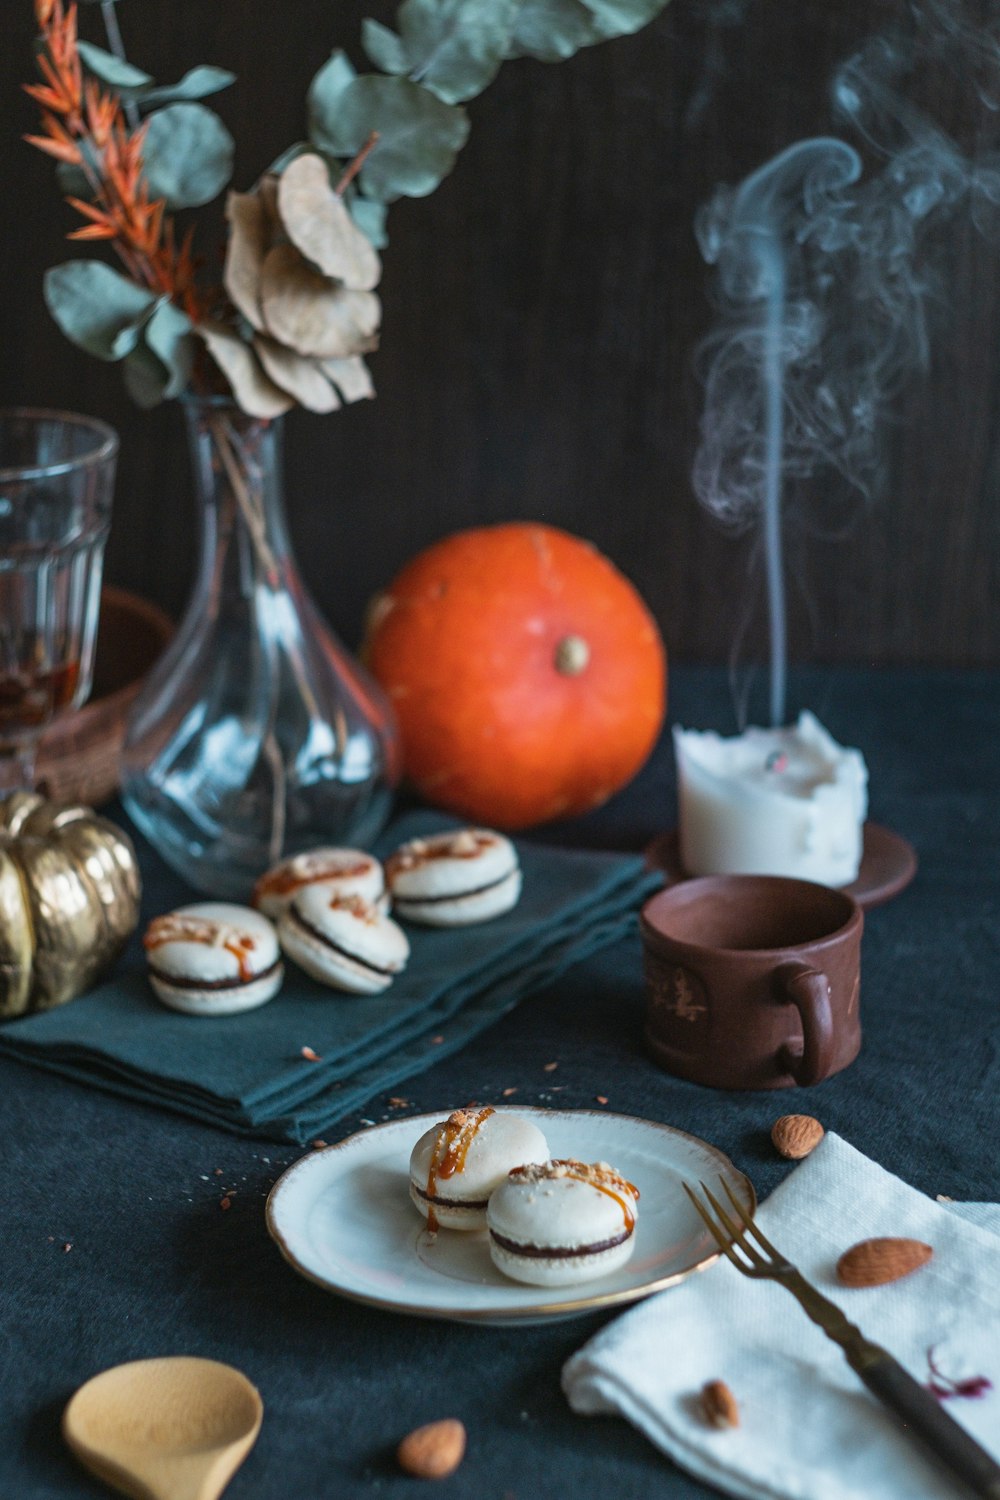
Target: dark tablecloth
(114,1246)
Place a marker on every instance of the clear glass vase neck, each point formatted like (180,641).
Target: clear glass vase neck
(238,467)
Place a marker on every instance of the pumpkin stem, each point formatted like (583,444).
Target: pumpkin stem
(572,655)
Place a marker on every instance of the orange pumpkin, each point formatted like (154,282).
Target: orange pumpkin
(528,675)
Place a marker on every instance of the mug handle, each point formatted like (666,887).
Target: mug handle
(809,991)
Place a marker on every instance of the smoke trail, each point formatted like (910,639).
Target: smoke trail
(827,279)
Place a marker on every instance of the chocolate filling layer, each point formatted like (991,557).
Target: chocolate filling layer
(437,1201)
(233,983)
(320,937)
(478,890)
(554,1252)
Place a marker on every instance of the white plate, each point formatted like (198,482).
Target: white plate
(342,1217)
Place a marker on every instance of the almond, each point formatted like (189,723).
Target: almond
(877,1262)
(434,1451)
(718,1405)
(796,1135)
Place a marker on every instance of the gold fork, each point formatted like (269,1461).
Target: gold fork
(751,1252)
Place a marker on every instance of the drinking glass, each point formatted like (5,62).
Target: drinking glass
(56,479)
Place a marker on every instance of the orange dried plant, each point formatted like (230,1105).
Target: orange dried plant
(85,127)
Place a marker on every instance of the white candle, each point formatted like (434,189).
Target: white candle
(771,802)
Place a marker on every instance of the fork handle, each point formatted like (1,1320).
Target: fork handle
(924,1416)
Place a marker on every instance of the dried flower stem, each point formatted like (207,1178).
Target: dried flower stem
(225,445)
(353,168)
(230,449)
(85,126)
(113,32)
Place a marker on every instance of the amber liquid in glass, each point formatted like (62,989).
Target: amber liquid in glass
(28,700)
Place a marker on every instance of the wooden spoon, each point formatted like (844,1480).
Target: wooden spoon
(165,1429)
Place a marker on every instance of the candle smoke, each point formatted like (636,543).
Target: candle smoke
(828,283)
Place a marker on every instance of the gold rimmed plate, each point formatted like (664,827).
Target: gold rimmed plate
(342,1217)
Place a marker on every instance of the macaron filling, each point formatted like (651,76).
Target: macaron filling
(234,982)
(295,917)
(439,1200)
(558,1252)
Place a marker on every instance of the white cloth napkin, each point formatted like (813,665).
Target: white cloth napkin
(809,1430)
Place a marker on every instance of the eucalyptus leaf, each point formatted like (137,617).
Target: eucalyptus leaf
(622,17)
(112,70)
(290,154)
(370,216)
(455,47)
(96,308)
(146,377)
(351,377)
(198,83)
(73,180)
(306,312)
(168,334)
(188,155)
(302,378)
(255,392)
(248,243)
(418,135)
(323,100)
(552,30)
(126,339)
(318,223)
(384,48)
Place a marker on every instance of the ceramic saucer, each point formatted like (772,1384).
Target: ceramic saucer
(888,864)
(342,1217)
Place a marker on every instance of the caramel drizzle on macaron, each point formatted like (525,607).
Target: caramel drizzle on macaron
(597,1175)
(365,911)
(175,929)
(305,870)
(463,845)
(451,1148)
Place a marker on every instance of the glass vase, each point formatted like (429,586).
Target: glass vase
(257,735)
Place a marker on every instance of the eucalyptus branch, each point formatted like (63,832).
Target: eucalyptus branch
(141,144)
(114,36)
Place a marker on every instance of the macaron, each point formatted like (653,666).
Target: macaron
(213,959)
(343,941)
(455,1166)
(562,1222)
(454,879)
(348,872)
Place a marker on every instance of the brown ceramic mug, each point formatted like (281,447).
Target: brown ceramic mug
(752,981)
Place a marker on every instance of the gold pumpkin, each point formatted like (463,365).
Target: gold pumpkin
(69,900)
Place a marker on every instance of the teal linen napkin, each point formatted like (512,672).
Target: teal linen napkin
(246,1073)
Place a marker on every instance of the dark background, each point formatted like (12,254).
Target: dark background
(542,310)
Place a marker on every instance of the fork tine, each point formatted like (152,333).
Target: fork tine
(737,1231)
(750,1222)
(725,1245)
